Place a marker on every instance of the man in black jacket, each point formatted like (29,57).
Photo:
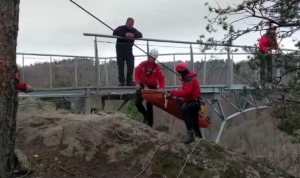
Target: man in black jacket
(124,50)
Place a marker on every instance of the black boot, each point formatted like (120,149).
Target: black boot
(197,132)
(130,84)
(122,84)
(150,124)
(190,138)
(145,120)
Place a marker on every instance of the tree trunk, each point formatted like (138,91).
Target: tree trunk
(9,23)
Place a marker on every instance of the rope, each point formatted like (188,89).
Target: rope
(115,125)
(126,139)
(116,131)
(30,163)
(188,158)
(186,161)
(153,156)
(122,37)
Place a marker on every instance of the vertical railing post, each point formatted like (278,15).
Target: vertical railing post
(174,69)
(232,68)
(51,83)
(277,71)
(87,101)
(204,70)
(76,79)
(23,64)
(148,50)
(192,58)
(97,71)
(229,66)
(106,72)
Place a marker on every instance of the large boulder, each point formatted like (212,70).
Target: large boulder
(62,144)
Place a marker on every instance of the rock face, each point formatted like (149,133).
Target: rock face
(62,144)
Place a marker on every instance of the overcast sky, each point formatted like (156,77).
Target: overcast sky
(57,26)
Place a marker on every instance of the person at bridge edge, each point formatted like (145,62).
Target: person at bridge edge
(124,50)
(22,86)
(267,43)
(147,75)
(190,93)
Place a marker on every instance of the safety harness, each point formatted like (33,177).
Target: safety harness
(149,72)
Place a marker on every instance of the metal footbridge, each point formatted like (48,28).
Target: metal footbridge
(225,88)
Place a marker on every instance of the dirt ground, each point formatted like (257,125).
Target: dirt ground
(50,163)
(60,144)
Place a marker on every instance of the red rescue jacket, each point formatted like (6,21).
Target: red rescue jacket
(190,90)
(266,41)
(155,74)
(21,86)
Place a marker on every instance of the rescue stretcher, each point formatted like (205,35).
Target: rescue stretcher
(173,106)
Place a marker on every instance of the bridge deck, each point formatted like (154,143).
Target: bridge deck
(207,90)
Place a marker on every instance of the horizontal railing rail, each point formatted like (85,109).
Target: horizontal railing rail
(177,41)
(208,71)
(105,63)
(113,57)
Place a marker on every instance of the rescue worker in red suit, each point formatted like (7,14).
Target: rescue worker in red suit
(266,43)
(22,86)
(147,75)
(190,93)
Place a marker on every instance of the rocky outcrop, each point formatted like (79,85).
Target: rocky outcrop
(63,144)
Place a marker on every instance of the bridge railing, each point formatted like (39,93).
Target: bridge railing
(213,68)
(56,71)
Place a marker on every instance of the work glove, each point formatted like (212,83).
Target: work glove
(29,89)
(167,93)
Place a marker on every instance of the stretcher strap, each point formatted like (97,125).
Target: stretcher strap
(166,101)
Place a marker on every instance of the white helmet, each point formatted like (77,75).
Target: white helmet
(153,53)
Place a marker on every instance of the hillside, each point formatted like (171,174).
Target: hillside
(62,144)
(63,73)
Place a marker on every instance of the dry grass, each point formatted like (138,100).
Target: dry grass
(254,133)
(258,135)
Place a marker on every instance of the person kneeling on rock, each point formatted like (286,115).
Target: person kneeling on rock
(190,92)
(147,74)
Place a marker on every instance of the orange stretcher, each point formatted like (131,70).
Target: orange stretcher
(173,106)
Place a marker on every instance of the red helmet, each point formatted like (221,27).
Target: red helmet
(181,66)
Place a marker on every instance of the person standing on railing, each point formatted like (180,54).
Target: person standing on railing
(147,74)
(190,93)
(266,43)
(22,86)
(124,50)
